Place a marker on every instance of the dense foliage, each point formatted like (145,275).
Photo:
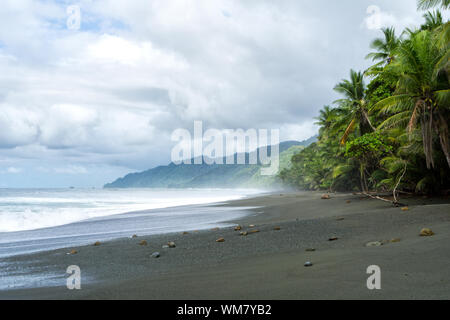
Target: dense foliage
(391,135)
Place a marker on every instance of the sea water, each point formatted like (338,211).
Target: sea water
(42,219)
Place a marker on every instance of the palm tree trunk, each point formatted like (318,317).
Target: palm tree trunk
(427,137)
(442,129)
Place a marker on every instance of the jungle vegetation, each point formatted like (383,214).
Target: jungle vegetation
(390,129)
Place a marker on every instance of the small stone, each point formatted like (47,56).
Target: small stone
(171,244)
(244,233)
(333,239)
(165,246)
(348,201)
(310,250)
(134,236)
(395,240)
(374,244)
(308,264)
(185,233)
(326,197)
(73,252)
(97,243)
(155,255)
(405,209)
(215,229)
(340,219)
(237,228)
(251,226)
(277,228)
(253,231)
(143,243)
(220,240)
(426,232)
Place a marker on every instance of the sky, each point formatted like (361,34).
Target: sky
(83,106)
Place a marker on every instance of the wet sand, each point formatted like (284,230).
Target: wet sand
(269,264)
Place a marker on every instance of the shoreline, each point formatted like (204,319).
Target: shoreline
(269,264)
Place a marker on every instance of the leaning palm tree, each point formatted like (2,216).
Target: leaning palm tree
(427,4)
(422,98)
(354,105)
(385,47)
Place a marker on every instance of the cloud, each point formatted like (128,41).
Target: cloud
(107,97)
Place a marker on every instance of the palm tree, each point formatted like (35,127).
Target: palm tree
(422,98)
(433,20)
(385,47)
(354,105)
(427,4)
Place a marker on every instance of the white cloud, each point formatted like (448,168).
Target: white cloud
(111,93)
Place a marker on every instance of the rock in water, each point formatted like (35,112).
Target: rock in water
(143,243)
(308,264)
(171,244)
(155,255)
(220,240)
(326,197)
(426,232)
(134,236)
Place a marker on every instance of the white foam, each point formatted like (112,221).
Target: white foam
(36,209)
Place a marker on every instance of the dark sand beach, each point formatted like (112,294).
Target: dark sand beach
(269,264)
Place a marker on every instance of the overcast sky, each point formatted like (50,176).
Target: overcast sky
(82,107)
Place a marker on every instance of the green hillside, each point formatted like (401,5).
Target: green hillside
(210,176)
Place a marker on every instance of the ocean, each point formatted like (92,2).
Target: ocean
(43,219)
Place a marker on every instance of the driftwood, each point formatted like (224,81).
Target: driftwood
(394,203)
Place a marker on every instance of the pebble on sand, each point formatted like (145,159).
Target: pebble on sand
(374,244)
(244,233)
(237,228)
(308,264)
(171,244)
(333,239)
(426,232)
(310,250)
(155,255)
(97,243)
(220,240)
(348,201)
(277,228)
(395,240)
(253,231)
(405,209)
(72,252)
(326,197)
(251,226)
(143,243)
